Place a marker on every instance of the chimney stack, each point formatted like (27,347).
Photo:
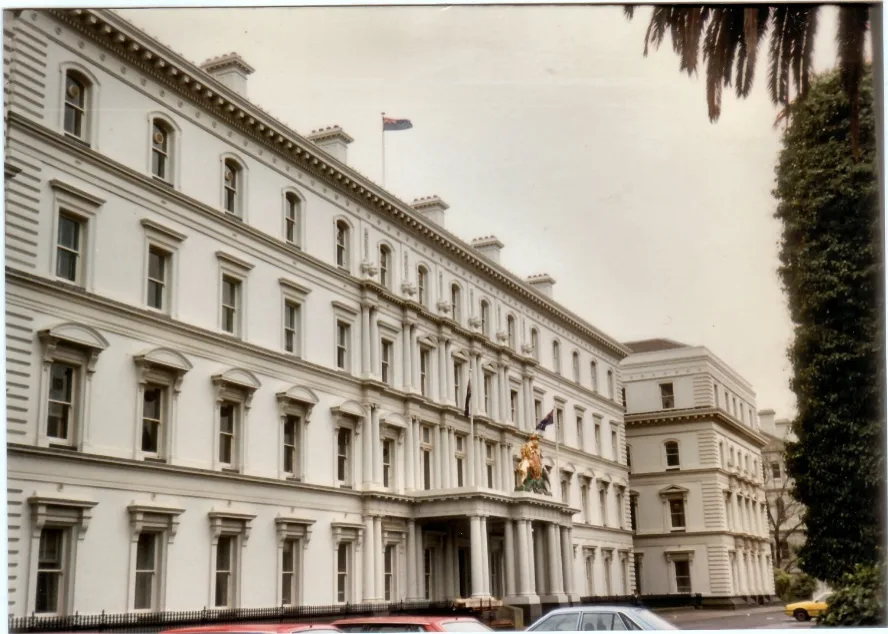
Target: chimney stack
(766,421)
(231,70)
(333,140)
(489,247)
(542,283)
(431,208)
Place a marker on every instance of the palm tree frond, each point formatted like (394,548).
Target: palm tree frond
(629,11)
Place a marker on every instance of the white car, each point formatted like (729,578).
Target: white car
(597,618)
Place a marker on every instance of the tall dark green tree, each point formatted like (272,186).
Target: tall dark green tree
(832,271)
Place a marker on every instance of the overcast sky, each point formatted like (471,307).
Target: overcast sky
(546,127)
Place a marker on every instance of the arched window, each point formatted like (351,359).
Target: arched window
(455,302)
(610,384)
(342,244)
(510,331)
(673,461)
(556,356)
(422,278)
(535,343)
(576,366)
(385,266)
(731,461)
(232,187)
(161,150)
(77,95)
(485,318)
(292,218)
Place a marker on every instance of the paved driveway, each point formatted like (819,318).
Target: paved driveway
(768,618)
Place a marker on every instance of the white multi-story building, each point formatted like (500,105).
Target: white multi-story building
(236,367)
(694,449)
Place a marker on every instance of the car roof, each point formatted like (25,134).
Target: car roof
(252,627)
(402,619)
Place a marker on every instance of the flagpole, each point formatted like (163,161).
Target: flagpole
(383,148)
(557,444)
(471,452)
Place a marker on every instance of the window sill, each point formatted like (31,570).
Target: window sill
(678,530)
(293,478)
(156,459)
(162,181)
(57,445)
(230,470)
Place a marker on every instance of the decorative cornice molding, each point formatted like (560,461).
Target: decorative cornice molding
(162,64)
(696,414)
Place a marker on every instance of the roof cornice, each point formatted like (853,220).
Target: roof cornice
(695,414)
(164,65)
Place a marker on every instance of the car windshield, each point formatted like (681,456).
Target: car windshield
(651,620)
(823,597)
(464,626)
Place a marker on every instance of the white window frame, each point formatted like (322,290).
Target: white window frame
(84,208)
(174,136)
(485,317)
(422,285)
(236,386)
(580,417)
(665,454)
(298,221)
(674,494)
(297,530)
(556,356)
(593,379)
(683,556)
(511,332)
(166,369)
(348,235)
(241,198)
(91,104)
(426,455)
(575,361)
(297,402)
(347,316)
(667,401)
(425,370)
(460,456)
(456,302)
(169,241)
(386,254)
(79,346)
(163,521)
(54,510)
(350,417)
(387,360)
(236,525)
(293,294)
(351,535)
(491,479)
(603,499)
(237,269)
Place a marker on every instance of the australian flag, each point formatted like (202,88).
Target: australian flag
(391,125)
(468,397)
(548,420)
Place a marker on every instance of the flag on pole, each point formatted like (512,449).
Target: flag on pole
(392,125)
(468,396)
(548,420)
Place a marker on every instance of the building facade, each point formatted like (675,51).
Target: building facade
(694,448)
(236,368)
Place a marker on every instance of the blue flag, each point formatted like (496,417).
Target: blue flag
(548,420)
(391,125)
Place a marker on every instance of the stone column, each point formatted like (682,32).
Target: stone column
(446,458)
(453,478)
(412,583)
(556,577)
(414,359)
(523,558)
(539,561)
(409,457)
(448,568)
(567,559)
(365,339)
(367,446)
(377,446)
(744,587)
(505,402)
(504,463)
(509,557)
(405,349)
(535,587)
(477,554)
(448,382)
(369,560)
(420,563)
(485,558)
(442,371)
(454,563)
(380,559)
(438,474)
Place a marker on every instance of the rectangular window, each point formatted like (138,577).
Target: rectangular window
(597,438)
(224,571)
(291,326)
(343,456)
(584,502)
(633,510)
(291,440)
(152,419)
(69,248)
(423,371)
(51,567)
(677,514)
(342,570)
(593,376)
(682,575)
(490,463)
(513,405)
(602,506)
(610,384)
(620,519)
(230,304)
(457,381)
(389,571)
(565,490)
(158,267)
(147,556)
(487,390)
(60,417)
(387,355)
(667,397)
(590,575)
(342,341)
(227,433)
(537,410)
(460,459)
(425,457)
(289,568)
(775,470)
(580,439)
(388,447)
(559,425)
(615,446)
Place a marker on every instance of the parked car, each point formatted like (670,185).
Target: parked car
(804,610)
(595,618)
(256,628)
(411,624)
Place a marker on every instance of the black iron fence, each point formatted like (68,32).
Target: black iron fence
(149,622)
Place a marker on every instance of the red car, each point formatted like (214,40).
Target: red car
(411,624)
(256,628)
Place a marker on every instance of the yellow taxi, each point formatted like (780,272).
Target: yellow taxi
(806,610)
